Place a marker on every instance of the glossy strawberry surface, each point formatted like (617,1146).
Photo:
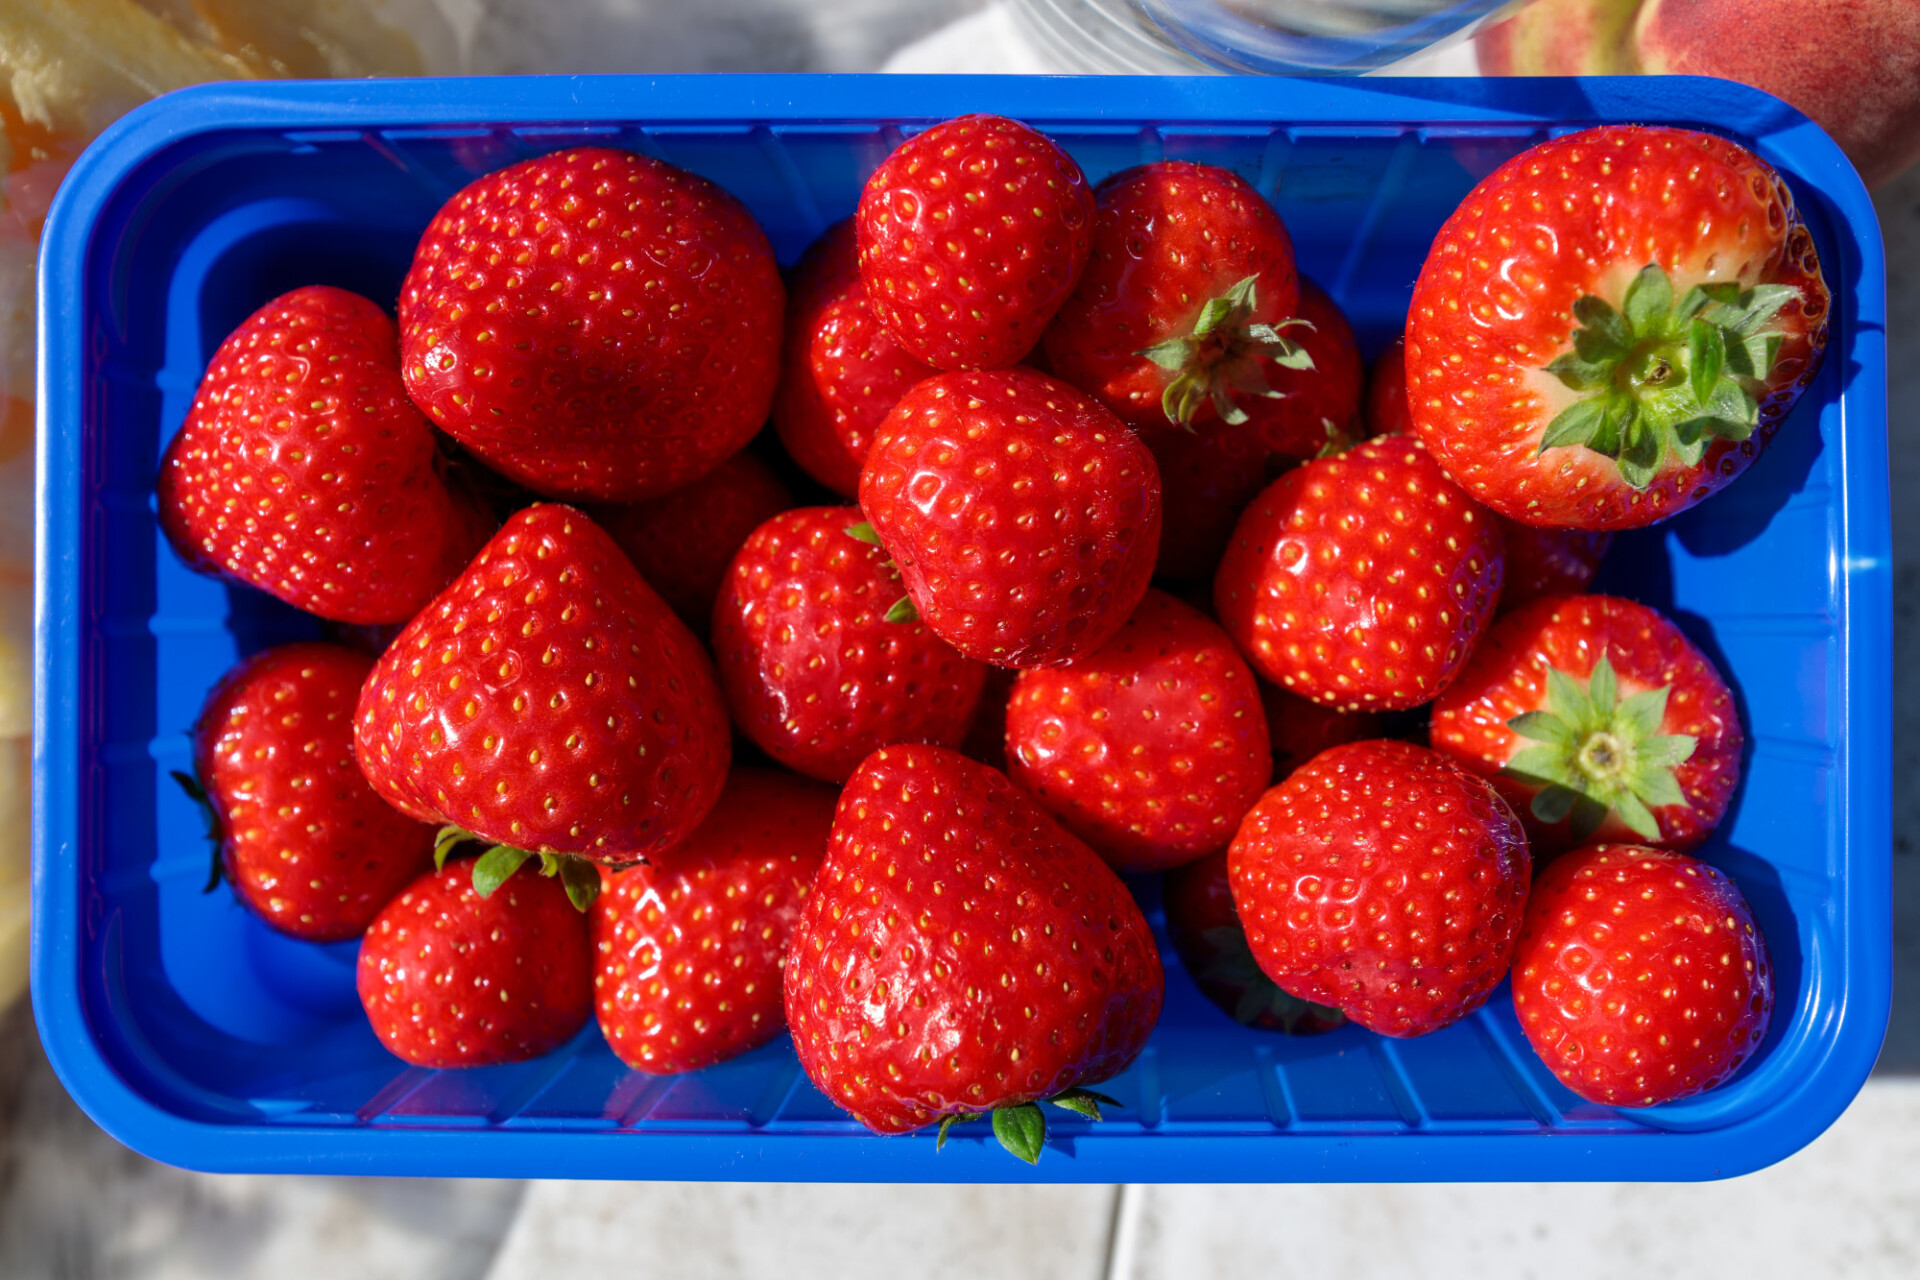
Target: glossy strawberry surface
(1691,732)
(961,952)
(1542,265)
(682,543)
(1152,747)
(1385,881)
(1168,238)
(1024,518)
(303,469)
(841,371)
(1362,580)
(594,324)
(305,842)
(1640,976)
(971,235)
(688,950)
(813,671)
(451,979)
(548,700)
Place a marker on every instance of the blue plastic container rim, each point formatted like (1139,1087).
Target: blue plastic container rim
(1794,1117)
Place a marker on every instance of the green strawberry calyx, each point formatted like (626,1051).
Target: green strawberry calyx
(1021,1127)
(1599,753)
(1224,353)
(497,863)
(902,610)
(1665,378)
(211,816)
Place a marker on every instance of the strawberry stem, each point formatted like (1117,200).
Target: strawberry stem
(1021,1127)
(496,865)
(211,816)
(1222,355)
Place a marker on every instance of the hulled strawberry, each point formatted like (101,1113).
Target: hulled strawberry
(813,669)
(1179,316)
(1299,730)
(1361,580)
(303,469)
(1612,325)
(682,543)
(1385,881)
(688,950)
(841,371)
(304,840)
(594,324)
(961,954)
(1206,934)
(1596,718)
(1549,562)
(1024,518)
(1152,747)
(971,235)
(548,702)
(1640,976)
(452,977)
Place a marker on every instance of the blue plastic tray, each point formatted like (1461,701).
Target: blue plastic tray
(195,1035)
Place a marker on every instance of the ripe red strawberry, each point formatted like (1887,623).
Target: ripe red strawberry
(1640,976)
(594,324)
(453,978)
(1152,747)
(1612,325)
(1384,880)
(550,702)
(1024,517)
(814,672)
(1300,730)
(304,840)
(841,371)
(682,543)
(1320,405)
(1386,407)
(1361,580)
(1549,562)
(961,954)
(1540,561)
(1208,475)
(303,469)
(1178,318)
(986,739)
(688,950)
(1596,718)
(1206,934)
(971,236)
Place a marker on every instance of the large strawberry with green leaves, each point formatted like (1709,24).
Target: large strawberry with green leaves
(961,955)
(1597,719)
(550,703)
(1612,325)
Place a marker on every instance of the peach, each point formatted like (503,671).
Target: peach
(1560,38)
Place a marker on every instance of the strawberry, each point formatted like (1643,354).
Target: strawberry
(594,324)
(1024,518)
(682,543)
(1384,880)
(1612,325)
(1179,315)
(814,672)
(1361,580)
(688,950)
(1640,976)
(842,371)
(451,977)
(971,236)
(548,702)
(1206,934)
(1300,730)
(302,468)
(1208,475)
(961,954)
(304,840)
(1596,718)
(1320,405)
(1150,748)
(986,739)
(1549,562)
(1386,404)
(1540,561)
